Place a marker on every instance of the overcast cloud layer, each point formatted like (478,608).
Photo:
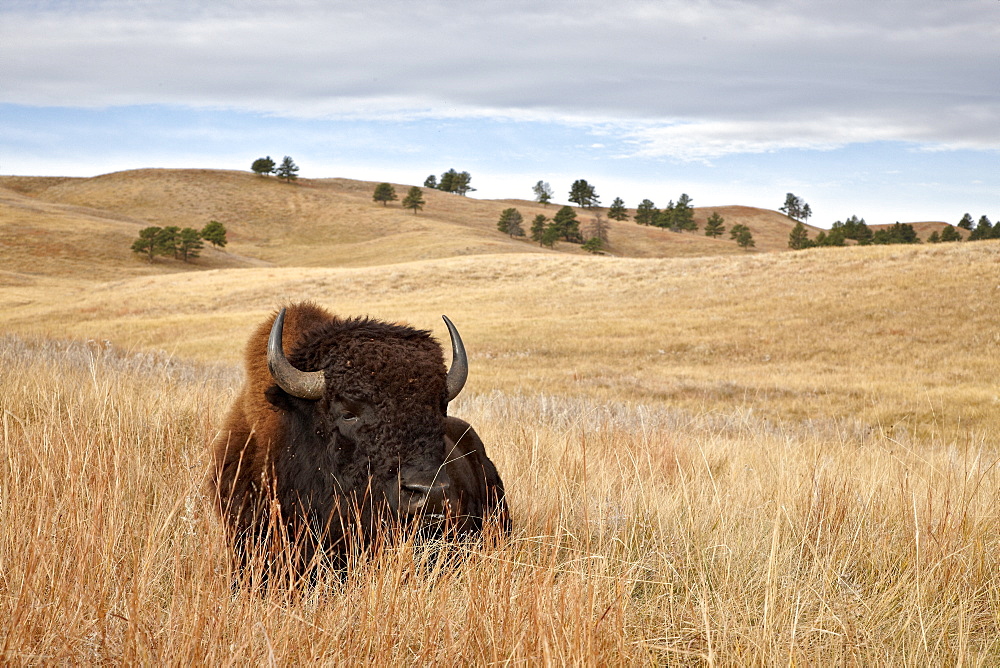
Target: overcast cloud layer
(688,82)
(686,79)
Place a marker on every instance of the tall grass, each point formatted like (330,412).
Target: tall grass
(643,535)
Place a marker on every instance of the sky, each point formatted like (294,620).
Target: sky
(887,110)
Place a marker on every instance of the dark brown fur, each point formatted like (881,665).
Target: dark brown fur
(295,477)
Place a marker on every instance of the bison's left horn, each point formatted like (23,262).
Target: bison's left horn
(301,384)
(459,371)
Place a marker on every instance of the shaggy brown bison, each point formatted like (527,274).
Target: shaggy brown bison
(347,439)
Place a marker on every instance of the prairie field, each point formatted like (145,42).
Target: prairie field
(711,459)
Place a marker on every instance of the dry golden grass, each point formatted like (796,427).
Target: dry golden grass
(902,338)
(644,535)
(748,459)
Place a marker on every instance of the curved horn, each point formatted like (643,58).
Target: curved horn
(459,371)
(301,384)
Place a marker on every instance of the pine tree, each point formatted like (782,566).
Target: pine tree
(934,238)
(538,227)
(795,208)
(665,217)
(617,210)
(593,245)
(551,234)
(583,194)
(385,193)
(683,215)
(262,166)
(168,241)
(431,182)
(510,222)
(984,230)
(447,181)
(147,243)
(744,238)
(798,238)
(287,170)
(567,224)
(414,199)
(949,233)
(189,243)
(714,225)
(214,233)
(463,183)
(646,212)
(966,222)
(543,192)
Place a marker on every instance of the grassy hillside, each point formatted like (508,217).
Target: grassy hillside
(885,334)
(327,222)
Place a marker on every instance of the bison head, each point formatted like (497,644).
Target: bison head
(372,414)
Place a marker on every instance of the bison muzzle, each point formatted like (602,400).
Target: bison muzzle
(345,439)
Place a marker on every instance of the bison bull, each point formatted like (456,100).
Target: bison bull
(345,438)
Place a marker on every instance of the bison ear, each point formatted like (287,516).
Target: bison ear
(278,398)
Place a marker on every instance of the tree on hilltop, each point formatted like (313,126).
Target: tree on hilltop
(683,215)
(385,193)
(984,230)
(456,182)
(795,208)
(287,170)
(665,217)
(966,222)
(262,166)
(583,194)
(646,212)
(543,192)
(414,199)
(431,182)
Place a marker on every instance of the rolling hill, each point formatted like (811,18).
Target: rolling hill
(86,225)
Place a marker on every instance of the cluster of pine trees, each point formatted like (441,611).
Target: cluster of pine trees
(451,182)
(563,226)
(984,229)
(856,229)
(181,244)
(287,170)
(678,216)
(900,233)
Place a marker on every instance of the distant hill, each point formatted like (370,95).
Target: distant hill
(85,226)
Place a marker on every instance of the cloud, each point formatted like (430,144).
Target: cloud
(690,80)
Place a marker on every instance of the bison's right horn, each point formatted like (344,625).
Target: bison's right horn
(301,384)
(459,371)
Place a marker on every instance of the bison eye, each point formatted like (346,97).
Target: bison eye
(348,416)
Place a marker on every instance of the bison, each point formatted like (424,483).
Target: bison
(346,438)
